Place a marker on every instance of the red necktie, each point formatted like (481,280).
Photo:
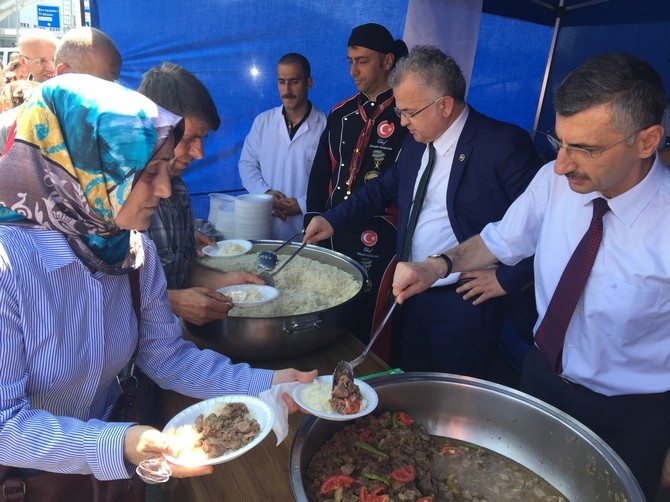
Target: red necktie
(551,333)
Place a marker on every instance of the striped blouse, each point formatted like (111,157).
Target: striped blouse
(64,335)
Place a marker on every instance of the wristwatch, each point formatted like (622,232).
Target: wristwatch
(450,264)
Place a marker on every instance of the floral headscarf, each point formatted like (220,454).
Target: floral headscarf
(80,142)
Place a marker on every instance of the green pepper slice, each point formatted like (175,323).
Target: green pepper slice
(370,449)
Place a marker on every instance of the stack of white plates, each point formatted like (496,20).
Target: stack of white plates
(222,214)
(253,217)
(225,223)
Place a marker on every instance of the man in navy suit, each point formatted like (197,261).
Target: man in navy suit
(480,166)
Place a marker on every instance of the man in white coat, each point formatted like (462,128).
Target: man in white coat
(279,150)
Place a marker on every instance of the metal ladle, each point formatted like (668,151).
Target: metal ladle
(267,260)
(268,277)
(346,368)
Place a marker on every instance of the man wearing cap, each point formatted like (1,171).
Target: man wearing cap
(362,138)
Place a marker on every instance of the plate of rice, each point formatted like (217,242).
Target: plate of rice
(250,295)
(314,397)
(228,248)
(196,442)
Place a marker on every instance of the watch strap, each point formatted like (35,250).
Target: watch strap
(450,264)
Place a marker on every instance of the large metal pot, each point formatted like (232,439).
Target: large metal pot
(540,437)
(257,339)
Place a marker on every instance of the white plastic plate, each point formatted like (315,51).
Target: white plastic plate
(268,293)
(218,251)
(369,403)
(258,409)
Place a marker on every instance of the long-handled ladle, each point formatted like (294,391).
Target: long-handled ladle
(267,260)
(346,368)
(268,277)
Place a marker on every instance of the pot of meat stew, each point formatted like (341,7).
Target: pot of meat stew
(541,438)
(246,335)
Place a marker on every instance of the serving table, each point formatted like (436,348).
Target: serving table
(262,474)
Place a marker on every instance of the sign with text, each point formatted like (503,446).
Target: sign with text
(48,16)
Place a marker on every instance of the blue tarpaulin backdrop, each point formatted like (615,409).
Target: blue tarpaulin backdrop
(222,41)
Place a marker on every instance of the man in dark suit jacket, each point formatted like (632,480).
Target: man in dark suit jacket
(481,165)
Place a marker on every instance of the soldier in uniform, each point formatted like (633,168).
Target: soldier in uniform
(362,139)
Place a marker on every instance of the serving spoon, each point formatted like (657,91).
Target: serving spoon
(267,260)
(268,277)
(346,368)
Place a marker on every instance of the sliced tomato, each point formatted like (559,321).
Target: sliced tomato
(405,419)
(404,475)
(352,405)
(425,499)
(376,495)
(365,435)
(334,482)
(457,451)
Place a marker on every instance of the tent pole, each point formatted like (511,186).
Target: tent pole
(560,11)
(82,12)
(18,22)
(545,80)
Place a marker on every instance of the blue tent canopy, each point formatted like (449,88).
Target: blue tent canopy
(233,47)
(580,12)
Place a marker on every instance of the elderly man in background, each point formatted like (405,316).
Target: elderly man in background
(597,220)
(279,150)
(36,51)
(38,48)
(81,50)
(458,171)
(191,286)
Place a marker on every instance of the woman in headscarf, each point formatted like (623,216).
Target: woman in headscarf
(85,169)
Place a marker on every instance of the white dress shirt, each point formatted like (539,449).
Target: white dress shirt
(271,160)
(617,341)
(433,233)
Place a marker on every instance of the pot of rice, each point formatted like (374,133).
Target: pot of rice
(517,442)
(318,296)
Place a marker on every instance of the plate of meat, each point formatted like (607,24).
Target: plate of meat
(348,401)
(218,430)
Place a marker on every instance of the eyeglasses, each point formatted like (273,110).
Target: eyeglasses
(409,116)
(39,61)
(577,153)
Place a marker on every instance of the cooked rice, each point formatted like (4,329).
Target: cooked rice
(229,249)
(184,440)
(305,285)
(317,395)
(250,294)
